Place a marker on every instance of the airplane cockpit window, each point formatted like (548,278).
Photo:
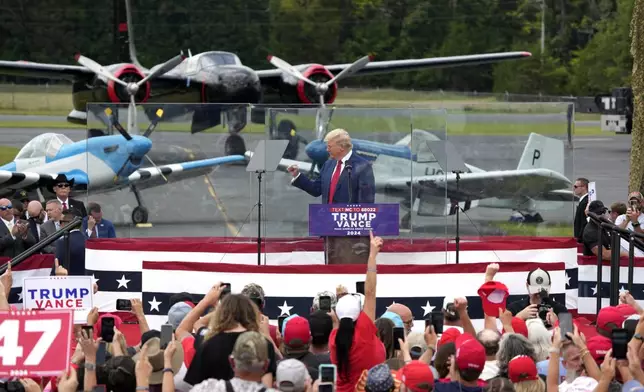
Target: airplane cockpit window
(214,59)
(47,144)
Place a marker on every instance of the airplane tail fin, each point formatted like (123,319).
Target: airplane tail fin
(124,33)
(543,152)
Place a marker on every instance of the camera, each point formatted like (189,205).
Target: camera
(544,307)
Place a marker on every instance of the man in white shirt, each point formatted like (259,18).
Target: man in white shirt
(632,220)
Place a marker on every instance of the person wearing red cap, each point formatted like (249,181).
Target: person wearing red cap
(297,341)
(522,371)
(466,366)
(416,376)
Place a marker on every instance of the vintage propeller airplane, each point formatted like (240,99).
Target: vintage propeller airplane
(416,169)
(104,163)
(218,77)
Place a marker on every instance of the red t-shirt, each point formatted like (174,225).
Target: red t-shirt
(367,351)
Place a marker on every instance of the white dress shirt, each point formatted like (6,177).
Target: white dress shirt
(9,225)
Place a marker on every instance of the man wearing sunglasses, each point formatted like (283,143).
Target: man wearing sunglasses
(580,189)
(61,187)
(15,236)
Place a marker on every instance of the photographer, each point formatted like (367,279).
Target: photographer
(632,220)
(538,304)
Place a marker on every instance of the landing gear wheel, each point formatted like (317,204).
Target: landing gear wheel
(140,215)
(235,145)
(286,131)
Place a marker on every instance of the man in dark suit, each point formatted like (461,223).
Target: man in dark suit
(344,178)
(75,266)
(94,226)
(15,236)
(580,189)
(61,187)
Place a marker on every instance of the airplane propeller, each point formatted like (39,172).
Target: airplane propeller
(132,88)
(321,88)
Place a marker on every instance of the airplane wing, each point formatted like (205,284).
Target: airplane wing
(12,181)
(152,173)
(380,67)
(42,70)
(502,184)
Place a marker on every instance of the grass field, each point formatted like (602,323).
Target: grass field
(535,230)
(7,154)
(356,125)
(56,100)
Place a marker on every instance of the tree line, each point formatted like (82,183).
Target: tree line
(586,49)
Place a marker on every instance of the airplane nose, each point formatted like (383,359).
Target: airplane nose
(140,146)
(316,150)
(234,84)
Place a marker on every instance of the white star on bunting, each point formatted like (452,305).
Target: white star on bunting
(122,282)
(154,304)
(427,309)
(285,309)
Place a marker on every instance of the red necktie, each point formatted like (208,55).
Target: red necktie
(334,180)
(64,205)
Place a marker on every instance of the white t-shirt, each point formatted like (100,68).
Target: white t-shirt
(624,244)
(580,384)
(490,370)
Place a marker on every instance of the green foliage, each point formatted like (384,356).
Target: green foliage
(586,41)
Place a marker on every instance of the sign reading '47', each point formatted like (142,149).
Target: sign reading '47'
(35,343)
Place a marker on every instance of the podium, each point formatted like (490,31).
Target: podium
(346,228)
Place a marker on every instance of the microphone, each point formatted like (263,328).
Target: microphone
(349,167)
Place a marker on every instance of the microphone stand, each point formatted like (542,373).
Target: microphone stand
(349,168)
(458,210)
(259,216)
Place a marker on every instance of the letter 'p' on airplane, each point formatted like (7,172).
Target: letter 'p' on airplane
(218,77)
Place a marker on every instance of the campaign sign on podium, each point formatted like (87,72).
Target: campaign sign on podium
(354,220)
(35,343)
(59,292)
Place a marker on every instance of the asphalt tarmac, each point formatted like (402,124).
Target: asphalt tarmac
(224,202)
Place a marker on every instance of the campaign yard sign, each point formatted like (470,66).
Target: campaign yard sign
(35,343)
(344,220)
(59,292)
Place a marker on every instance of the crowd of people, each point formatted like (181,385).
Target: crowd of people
(224,343)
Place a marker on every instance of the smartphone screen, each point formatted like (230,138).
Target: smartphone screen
(327,373)
(325,303)
(325,388)
(619,338)
(107,329)
(565,324)
(166,335)
(99,388)
(226,289)
(399,333)
(124,305)
(428,320)
(630,326)
(437,321)
(280,323)
(360,288)
(101,353)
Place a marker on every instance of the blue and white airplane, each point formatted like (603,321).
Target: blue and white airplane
(97,165)
(412,171)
